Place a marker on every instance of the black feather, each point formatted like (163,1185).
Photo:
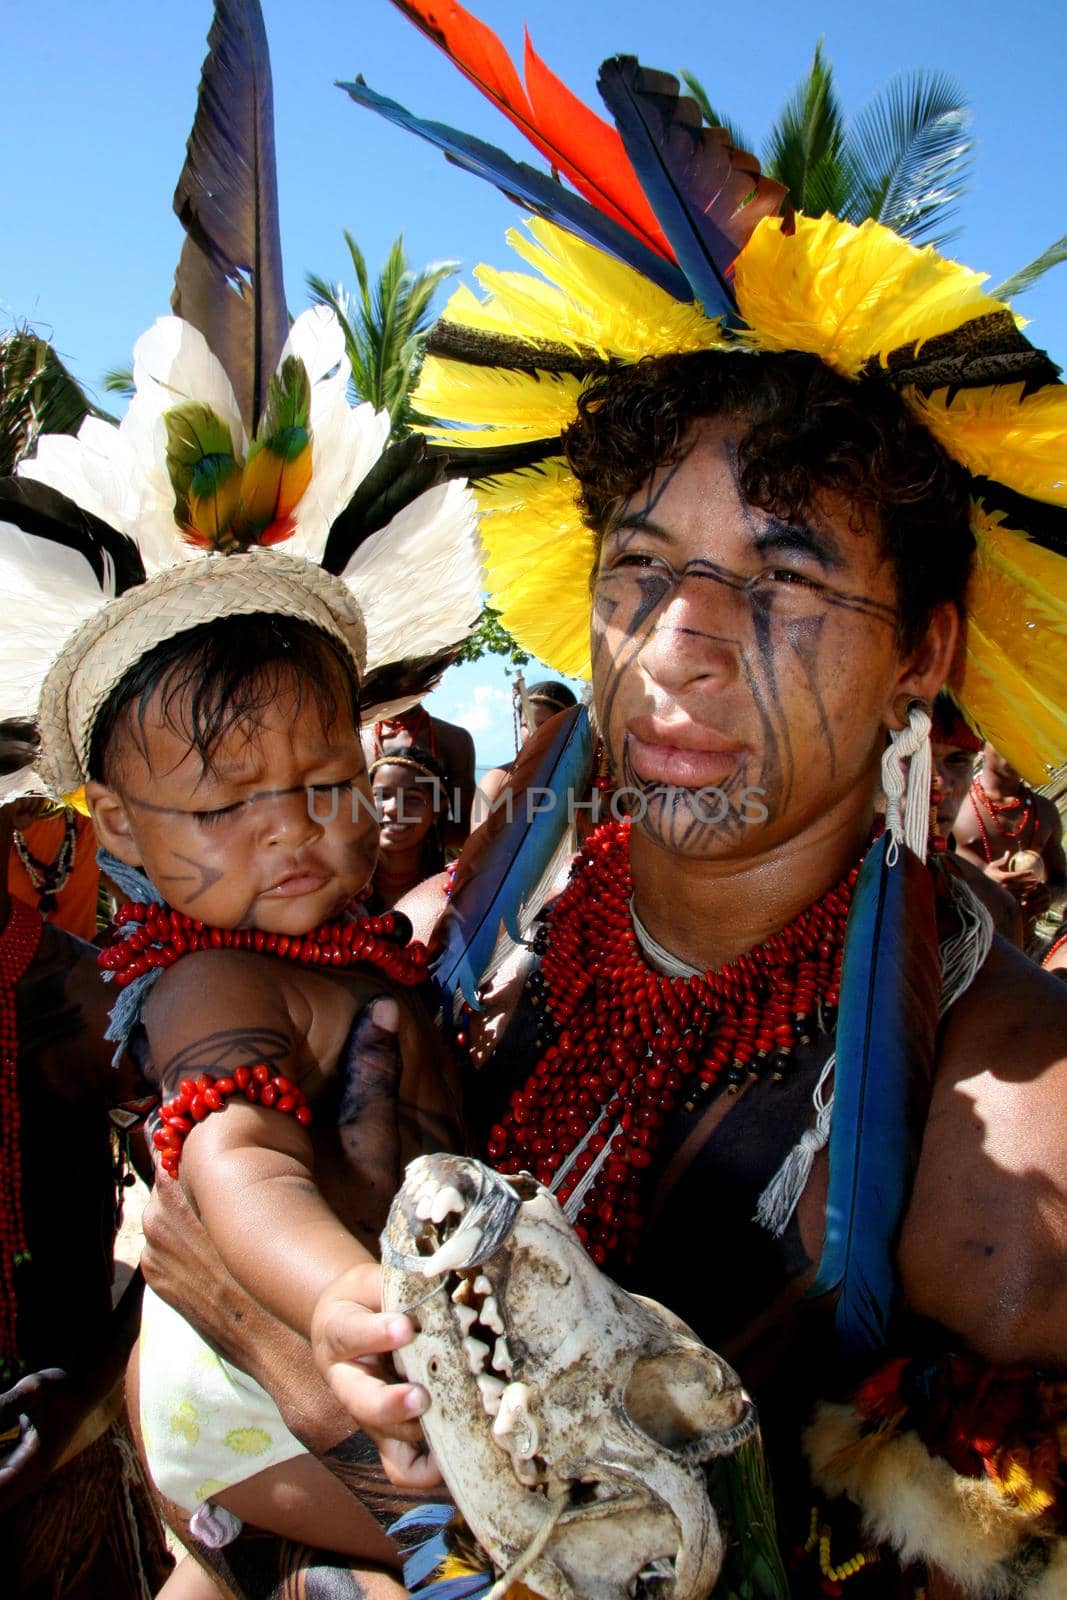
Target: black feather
(1044,523)
(37,509)
(526,186)
(406,680)
(402,472)
(229,279)
(491,461)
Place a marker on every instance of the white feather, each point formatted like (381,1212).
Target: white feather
(418,580)
(48,591)
(96,469)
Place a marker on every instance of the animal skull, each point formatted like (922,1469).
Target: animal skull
(569,1418)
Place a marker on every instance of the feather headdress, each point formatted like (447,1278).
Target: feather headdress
(241,479)
(672,242)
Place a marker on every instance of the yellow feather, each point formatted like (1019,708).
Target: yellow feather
(590,303)
(507,407)
(997,433)
(848,293)
(538,558)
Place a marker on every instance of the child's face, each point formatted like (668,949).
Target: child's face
(278,833)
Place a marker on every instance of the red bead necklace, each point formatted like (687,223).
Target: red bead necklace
(1054,949)
(18,944)
(621,1042)
(1025,804)
(164,936)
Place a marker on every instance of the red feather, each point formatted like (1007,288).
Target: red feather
(578,143)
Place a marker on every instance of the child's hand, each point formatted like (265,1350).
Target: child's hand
(350,1335)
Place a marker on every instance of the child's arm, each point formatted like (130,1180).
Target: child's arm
(247,1170)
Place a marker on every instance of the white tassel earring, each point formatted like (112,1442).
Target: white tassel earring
(907,774)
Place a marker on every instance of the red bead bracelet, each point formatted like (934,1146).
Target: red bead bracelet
(197,1097)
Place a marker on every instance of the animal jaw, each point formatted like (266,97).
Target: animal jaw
(570,1419)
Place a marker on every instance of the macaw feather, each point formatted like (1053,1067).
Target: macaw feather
(576,142)
(510,407)
(526,186)
(1003,433)
(514,850)
(707,195)
(229,281)
(886,1028)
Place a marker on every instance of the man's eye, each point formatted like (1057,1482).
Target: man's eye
(787,575)
(632,558)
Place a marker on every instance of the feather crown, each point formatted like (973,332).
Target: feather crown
(673,243)
(243,484)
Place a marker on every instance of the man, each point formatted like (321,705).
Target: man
(449,743)
(1000,818)
(955,749)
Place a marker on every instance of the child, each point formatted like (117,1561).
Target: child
(240,791)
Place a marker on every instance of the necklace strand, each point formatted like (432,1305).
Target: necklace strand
(619,1044)
(1025,804)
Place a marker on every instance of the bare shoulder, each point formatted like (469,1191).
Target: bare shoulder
(218,1009)
(984,1247)
(424,905)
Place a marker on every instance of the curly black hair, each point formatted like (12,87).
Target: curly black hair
(808,431)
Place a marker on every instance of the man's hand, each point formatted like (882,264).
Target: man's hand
(350,1337)
(38,1419)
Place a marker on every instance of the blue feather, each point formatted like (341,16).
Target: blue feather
(890,987)
(518,855)
(468,1588)
(707,196)
(526,186)
(432,1514)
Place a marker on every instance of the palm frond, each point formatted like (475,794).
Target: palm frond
(714,119)
(805,147)
(384,323)
(118,380)
(37,395)
(909,151)
(1026,276)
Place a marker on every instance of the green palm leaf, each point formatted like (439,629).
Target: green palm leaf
(805,150)
(384,325)
(37,395)
(1028,275)
(909,152)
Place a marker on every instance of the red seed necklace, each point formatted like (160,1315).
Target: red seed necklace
(164,936)
(1025,804)
(621,1043)
(18,944)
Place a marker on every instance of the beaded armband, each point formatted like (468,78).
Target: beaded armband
(197,1097)
(956,1464)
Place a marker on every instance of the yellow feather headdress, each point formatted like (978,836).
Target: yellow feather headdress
(720,269)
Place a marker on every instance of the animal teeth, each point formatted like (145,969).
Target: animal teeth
(426,1205)
(502,1357)
(466,1316)
(476,1352)
(491,1390)
(445,1201)
(482,1285)
(455,1252)
(516,1426)
(490,1315)
(462,1292)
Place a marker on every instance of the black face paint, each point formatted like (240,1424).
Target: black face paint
(204,876)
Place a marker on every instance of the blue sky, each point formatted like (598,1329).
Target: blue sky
(99,99)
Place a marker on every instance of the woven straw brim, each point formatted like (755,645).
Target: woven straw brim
(99,654)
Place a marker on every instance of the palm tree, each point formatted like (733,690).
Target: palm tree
(903,160)
(384,325)
(37,395)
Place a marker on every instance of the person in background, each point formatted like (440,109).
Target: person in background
(1002,818)
(53,865)
(448,743)
(410,794)
(955,751)
(534,706)
(77,1521)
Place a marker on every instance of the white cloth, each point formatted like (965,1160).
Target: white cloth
(206,1424)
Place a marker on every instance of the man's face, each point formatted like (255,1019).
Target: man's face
(953,776)
(535,714)
(278,833)
(741,665)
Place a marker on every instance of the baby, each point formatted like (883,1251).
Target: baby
(226,765)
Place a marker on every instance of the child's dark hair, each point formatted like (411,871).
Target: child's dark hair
(221,675)
(807,430)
